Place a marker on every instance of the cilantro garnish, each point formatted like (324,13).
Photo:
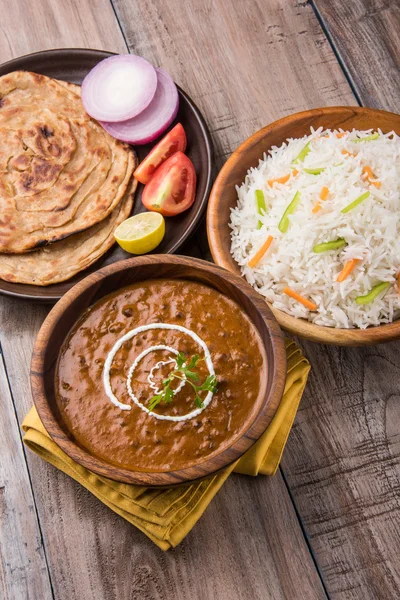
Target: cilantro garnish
(184,372)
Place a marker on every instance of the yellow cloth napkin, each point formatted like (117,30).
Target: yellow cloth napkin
(167,515)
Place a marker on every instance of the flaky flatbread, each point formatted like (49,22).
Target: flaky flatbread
(60,172)
(62,260)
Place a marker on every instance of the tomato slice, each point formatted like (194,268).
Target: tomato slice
(172,188)
(174,141)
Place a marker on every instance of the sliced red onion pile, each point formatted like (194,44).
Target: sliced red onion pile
(149,124)
(134,101)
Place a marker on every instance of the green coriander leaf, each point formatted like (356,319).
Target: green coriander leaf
(191,375)
(198,401)
(168,395)
(155,400)
(193,361)
(180,360)
(210,384)
(183,372)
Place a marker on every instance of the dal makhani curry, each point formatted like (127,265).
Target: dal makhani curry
(160,375)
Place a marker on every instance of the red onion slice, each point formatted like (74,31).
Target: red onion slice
(155,119)
(119,88)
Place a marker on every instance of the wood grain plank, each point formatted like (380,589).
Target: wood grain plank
(103,556)
(244,63)
(26,28)
(346,478)
(23,568)
(366,36)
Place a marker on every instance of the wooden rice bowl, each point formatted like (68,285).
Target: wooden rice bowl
(224,197)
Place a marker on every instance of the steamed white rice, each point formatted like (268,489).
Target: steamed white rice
(371,230)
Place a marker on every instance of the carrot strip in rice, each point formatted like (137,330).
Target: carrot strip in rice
(370,176)
(347,269)
(347,153)
(260,253)
(283,179)
(323,196)
(307,303)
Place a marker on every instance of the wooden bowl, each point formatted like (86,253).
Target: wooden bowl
(66,312)
(224,197)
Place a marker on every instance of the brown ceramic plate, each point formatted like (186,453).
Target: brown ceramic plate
(224,197)
(66,312)
(72,65)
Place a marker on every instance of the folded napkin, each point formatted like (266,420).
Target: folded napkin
(167,515)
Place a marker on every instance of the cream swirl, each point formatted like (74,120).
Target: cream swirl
(130,334)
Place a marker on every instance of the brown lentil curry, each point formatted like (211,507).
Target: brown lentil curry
(132,438)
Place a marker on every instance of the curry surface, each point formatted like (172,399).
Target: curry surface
(134,439)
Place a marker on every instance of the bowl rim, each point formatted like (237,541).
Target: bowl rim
(299,327)
(207,468)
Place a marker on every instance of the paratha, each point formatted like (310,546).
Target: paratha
(60,172)
(62,260)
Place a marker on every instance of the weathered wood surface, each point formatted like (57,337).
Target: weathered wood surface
(366,36)
(244,63)
(342,466)
(23,571)
(30,27)
(249,543)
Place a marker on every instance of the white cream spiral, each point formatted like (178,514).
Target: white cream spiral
(130,334)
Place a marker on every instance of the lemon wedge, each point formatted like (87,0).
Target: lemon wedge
(141,233)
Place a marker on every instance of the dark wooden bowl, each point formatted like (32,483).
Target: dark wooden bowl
(223,198)
(66,312)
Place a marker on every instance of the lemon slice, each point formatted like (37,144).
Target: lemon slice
(141,233)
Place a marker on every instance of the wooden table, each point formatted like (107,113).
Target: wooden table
(328,524)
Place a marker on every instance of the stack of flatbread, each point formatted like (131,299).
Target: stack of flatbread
(65,183)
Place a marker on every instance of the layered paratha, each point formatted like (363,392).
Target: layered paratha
(60,172)
(62,260)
